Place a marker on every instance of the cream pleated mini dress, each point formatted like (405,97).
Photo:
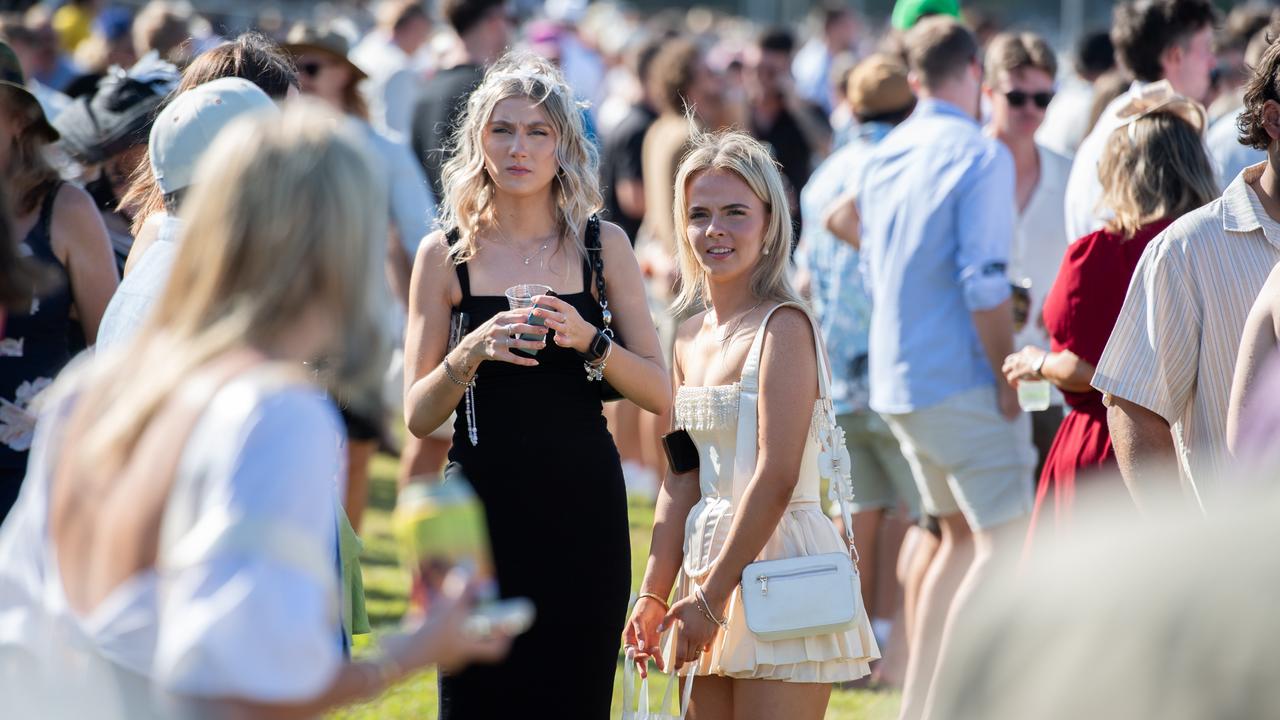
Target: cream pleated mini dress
(711,417)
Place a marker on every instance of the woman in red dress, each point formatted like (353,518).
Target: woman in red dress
(1154,169)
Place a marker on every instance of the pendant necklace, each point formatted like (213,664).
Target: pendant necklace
(737,325)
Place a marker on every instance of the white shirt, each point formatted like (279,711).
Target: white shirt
(1039,243)
(393,83)
(1230,157)
(1040,240)
(1084,189)
(141,289)
(243,601)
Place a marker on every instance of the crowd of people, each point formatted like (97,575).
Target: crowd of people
(872,314)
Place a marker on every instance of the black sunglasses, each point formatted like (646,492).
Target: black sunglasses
(1018,98)
(311,68)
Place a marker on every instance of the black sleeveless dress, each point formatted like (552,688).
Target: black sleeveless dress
(33,349)
(547,471)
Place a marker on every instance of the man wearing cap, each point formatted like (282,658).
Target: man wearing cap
(182,132)
(106,132)
(906,13)
(880,97)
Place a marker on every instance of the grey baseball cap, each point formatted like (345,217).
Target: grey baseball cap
(188,125)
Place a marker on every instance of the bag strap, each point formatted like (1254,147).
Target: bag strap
(641,710)
(831,436)
(595,251)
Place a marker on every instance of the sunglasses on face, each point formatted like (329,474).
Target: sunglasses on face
(311,68)
(1019,98)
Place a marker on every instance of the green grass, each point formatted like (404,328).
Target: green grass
(386,589)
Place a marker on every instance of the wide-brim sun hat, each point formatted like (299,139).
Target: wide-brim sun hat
(119,113)
(305,39)
(15,83)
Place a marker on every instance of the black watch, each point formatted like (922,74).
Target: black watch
(598,347)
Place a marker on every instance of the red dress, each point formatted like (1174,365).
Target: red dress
(1079,313)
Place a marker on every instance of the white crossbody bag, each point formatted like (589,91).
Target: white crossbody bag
(811,594)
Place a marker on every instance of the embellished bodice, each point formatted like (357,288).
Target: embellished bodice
(710,415)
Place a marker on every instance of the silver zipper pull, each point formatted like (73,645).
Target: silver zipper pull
(764,584)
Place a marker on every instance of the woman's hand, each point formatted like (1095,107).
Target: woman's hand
(694,631)
(641,638)
(498,336)
(442,638)
(1022,365)
(571,331)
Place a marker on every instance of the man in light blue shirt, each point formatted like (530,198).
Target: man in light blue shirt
(935,204)
(878,92)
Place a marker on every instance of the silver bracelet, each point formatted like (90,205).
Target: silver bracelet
(449,372)
(706,607)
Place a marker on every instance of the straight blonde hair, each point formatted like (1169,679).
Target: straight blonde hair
(282,218)
(742,155)
(467,202)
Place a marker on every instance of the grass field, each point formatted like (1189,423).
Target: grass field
(387,586)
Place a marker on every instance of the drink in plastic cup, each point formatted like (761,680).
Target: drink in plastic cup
(521,296)
(1033,395)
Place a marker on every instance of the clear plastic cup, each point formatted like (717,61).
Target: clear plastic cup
(1033,395)
(521,296)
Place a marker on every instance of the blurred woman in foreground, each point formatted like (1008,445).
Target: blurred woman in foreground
(181,556)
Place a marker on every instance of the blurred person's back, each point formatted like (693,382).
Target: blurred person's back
(1167,616)
(1069,116)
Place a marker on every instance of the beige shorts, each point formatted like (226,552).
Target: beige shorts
(881,475)
(967,458)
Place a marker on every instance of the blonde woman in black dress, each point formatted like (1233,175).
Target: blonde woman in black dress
(519,195)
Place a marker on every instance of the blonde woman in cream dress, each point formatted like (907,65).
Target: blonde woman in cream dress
(733,255)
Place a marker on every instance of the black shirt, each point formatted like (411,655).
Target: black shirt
(789,146)
(621,161)
(442,103)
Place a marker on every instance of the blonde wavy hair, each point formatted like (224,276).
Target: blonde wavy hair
(282,218)
(738,153)
(467,202)
(1155,167)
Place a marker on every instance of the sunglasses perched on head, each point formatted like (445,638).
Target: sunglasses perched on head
(1019,98)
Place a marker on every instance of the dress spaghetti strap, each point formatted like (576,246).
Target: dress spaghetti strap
(464,277)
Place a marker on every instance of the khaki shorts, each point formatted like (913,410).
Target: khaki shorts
(881,475)
(967,458)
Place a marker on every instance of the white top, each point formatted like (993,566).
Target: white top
(1084,189)
(243,601)
(1039,243)
(141,289)
(393,84)
(1228,155)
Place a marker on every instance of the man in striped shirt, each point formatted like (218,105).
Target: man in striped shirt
(1167,368)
